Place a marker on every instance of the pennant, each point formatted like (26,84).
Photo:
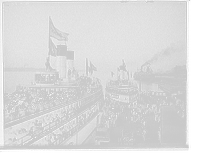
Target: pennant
(123,66)
(90,71)
(55,33)
(92,68)
(52,48)
(123,63)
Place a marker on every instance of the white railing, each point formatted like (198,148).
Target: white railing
(73,131)
(38,134)
(28,113)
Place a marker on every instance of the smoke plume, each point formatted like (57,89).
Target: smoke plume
(174,55)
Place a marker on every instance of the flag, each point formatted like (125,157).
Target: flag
(123,62)
(123,66)
(92,68)
(52,48)
(55,33)
(87,68)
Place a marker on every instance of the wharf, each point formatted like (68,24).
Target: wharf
(173,127)
(173,132)
(122,124)
(172,88)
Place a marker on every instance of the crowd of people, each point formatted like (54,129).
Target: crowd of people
(68,130)
(180,107)
(26,131)
(40,126)
(26,102)
(107,118)
(138,111)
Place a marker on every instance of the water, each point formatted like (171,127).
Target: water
(11,79)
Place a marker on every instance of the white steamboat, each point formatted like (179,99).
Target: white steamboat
(122,90)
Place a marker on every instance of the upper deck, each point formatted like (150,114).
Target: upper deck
(68,113)
(22,113)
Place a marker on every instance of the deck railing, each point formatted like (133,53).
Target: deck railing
(29,112)
(74,130)
(12,117)
(32,137)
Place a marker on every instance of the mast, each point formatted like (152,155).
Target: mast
(49,37)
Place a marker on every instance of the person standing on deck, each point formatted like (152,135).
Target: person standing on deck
(138,130)
(144,123)
(126,116)
(114,122)
(131,119)
(134,114)
(159,134)
(137,117)
(144,133)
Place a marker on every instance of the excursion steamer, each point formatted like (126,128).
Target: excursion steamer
(59,108)
(121,91)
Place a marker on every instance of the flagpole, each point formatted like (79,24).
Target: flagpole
(49,36)
(86,67)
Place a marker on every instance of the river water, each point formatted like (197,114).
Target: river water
(11,79)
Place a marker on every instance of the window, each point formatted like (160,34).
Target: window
(38,77)
(51,78)
(42,77)
(47,77)
(115,96)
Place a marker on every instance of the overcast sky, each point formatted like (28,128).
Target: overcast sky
(104,32)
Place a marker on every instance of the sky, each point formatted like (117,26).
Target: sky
(103,32)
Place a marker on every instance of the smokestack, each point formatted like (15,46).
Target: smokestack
(61,60)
